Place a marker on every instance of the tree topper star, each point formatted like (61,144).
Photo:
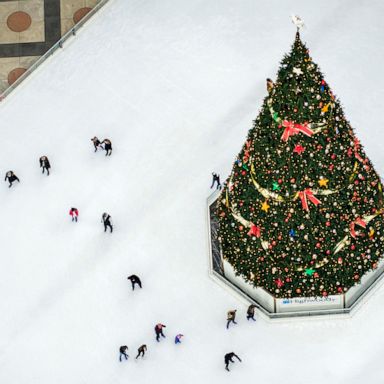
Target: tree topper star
(297,21)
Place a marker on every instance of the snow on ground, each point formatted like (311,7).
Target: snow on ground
(175,85)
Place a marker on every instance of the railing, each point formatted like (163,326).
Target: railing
(59,44)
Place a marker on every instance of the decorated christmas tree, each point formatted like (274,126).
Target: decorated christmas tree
(301,212)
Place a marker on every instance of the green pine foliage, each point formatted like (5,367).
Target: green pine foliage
(301,213)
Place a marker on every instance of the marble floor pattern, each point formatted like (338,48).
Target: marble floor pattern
(28,28)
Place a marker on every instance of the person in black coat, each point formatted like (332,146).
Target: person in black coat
(141,351)
(11,177)
(134,280)
(107,146)
(228,358)
(96,143)
(159,331)
(123,352)
(215,179)
(251,312)
(44,163)
(107,221)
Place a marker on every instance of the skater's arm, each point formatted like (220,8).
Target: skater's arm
(237,357)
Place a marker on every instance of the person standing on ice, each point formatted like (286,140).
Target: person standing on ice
(141,351)
(178,338)
(107,221)
(11,177)
(251,312)
(215,179)
(123,352)
(134,280)
(107,146)
(96,143)
(228,358)
(44,163)
(231,315)
(159,331)
(74,213)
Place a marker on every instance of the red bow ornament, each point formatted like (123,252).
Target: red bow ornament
(359,222)
(306,195)
(292,129)
(254,231)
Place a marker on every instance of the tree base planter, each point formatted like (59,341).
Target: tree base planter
(221,271)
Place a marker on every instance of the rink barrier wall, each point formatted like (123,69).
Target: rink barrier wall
(224,274)
(58,45)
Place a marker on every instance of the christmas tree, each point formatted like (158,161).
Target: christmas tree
(301,212)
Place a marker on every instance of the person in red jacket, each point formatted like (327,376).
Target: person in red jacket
(159,331)
(74,213)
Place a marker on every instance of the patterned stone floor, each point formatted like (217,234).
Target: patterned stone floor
(28,28)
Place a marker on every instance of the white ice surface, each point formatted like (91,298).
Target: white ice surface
(175,85)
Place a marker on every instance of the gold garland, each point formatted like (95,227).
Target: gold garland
(314,127)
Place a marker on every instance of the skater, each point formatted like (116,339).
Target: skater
(107,146)
(134,280)
(231,315)
(44,163)
(74,213)
(96,143)
(107,221)
(159,331)
(215,178)
(11,177)
(123,352)
(141,351)
(228,358)
(251,312)
(270,85)
(178,338)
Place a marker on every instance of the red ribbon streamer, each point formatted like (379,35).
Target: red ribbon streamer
(357,155)
(308,194)
(246,152)
(292,129)
(359,222)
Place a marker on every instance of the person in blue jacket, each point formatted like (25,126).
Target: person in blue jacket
(178,338)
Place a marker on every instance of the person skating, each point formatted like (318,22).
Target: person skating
(251,312)
(134,280)
(141,351)
(231,315)
(123,352)
(44,163)
(107,146)
(159,331)
(228,358)
(11,177)
(107,221)
(216,179)
(74,213)
(178,338)
(96,143)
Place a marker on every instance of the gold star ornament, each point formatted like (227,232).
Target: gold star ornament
(323,182)
(265,206)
